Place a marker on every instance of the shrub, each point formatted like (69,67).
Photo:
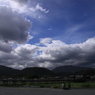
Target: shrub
(87,85)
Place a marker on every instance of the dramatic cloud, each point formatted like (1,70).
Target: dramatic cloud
(26,7)
(52,54)
(5,47)
(6,58)
(25,55)
(58,53)
(26,51)
(14,32)
(13,27)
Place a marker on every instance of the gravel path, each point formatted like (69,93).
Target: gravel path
(44,91)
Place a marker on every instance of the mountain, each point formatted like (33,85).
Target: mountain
(69,69)
(4,71)
(37,71)
(7,71)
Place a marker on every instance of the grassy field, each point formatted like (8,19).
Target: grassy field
(83,85)
(54,85)
(59,85)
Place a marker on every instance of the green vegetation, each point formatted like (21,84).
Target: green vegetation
(59,85)
(80,77)
(50,84)
(83,85)
(73,85)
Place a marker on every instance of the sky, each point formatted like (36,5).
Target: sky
(47,33)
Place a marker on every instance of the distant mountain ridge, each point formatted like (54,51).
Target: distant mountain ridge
(37,71)
(59,71)
(7,71)
(69,69)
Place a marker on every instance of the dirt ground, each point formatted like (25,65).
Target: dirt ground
(45,91)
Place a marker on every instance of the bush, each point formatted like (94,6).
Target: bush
(42,86)
(86,85)
(55,86)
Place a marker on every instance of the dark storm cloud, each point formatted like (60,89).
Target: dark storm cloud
(19,57)
(6,58)
(13,27)
(58,53)
(53,54)
(5,47)
(48,53)
(26,52)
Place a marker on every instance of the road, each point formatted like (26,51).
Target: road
(44,91)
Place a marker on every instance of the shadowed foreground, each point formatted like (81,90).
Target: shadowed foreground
(44,91)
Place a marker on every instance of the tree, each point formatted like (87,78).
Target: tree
(89,72)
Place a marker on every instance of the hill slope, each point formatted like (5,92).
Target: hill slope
(8,71)
(37,71)
(60,71)
(69,69)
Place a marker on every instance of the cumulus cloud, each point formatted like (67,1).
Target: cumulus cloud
(6,58)
(45,41)
(52,54)
(16,5)
(26,51)
(5,47)
(25,55)
(58,53)
(20,57)
(13,27)
(26,7)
